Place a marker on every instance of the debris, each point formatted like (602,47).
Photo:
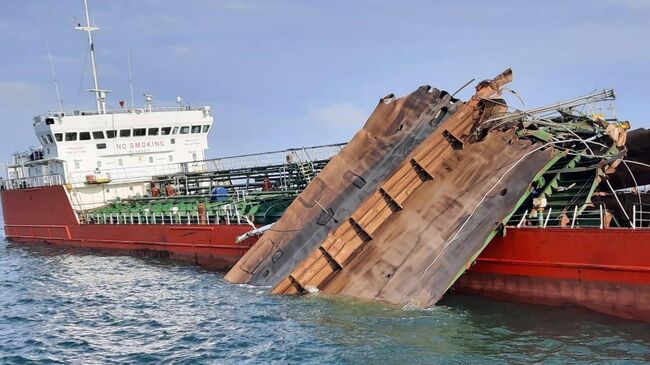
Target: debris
(411,214)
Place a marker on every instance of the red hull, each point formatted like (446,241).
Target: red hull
(604,270)
(45,215)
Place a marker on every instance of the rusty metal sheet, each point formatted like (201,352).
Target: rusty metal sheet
(412,254)
(394,130)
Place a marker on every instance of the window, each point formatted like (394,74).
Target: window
(49,138)
(99,164)
(150,159)
(125,133)
(185,130)
(196,129)
(120,162)
(71,136)
(171,158)
(84,136)
(173,140)
(98,135)
(43,140)
(194,156)
(111,133)
(101,146)
(139,132)
(206,128)
(58,136)
(76,164)
(152,132)
(166,131)
(175,130)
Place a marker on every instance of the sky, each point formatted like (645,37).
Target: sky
(282,74)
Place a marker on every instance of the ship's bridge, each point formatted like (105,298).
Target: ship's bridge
(86,141)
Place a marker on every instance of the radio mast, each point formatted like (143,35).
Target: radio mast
(100,94)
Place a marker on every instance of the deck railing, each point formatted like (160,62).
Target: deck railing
(226,214)
(124,111)
(641,216)
(137,173)
(576,218)
(275,158)
(31,182)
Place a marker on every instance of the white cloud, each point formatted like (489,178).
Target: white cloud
(345,115)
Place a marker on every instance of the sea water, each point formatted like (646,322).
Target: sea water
(66,306)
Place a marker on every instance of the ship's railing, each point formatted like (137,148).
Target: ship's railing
(641,216)
(283,157)
(293,155)
(124,111)
(572,217)
(227,214)
(31,182)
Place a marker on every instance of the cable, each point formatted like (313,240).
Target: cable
(485,196)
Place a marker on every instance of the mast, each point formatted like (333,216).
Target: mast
(100,95)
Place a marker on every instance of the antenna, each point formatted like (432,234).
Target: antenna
(56,84)
(128,57)
(100,95)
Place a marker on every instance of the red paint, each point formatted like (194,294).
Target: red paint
(45,215)
(607,270)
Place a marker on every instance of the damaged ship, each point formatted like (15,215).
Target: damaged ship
(495,201)
(433,194)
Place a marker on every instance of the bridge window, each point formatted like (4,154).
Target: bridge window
(111,133)
(152,132)
(185,130)
(175,130)
(71,136)
(43,140)
(125,133)
(98,135)
(206,128)
(58,136)
(166,131)
(49,138)
(139,132)
(84,136)
(101,146)
(196,129)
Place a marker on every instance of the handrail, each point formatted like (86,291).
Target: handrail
(576,218)
(122,111)
(31,182)
(226,214)
(279,158)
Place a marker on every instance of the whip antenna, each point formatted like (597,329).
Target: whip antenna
(128,57)
(56,84)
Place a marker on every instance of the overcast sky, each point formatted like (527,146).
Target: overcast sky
(296,73)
